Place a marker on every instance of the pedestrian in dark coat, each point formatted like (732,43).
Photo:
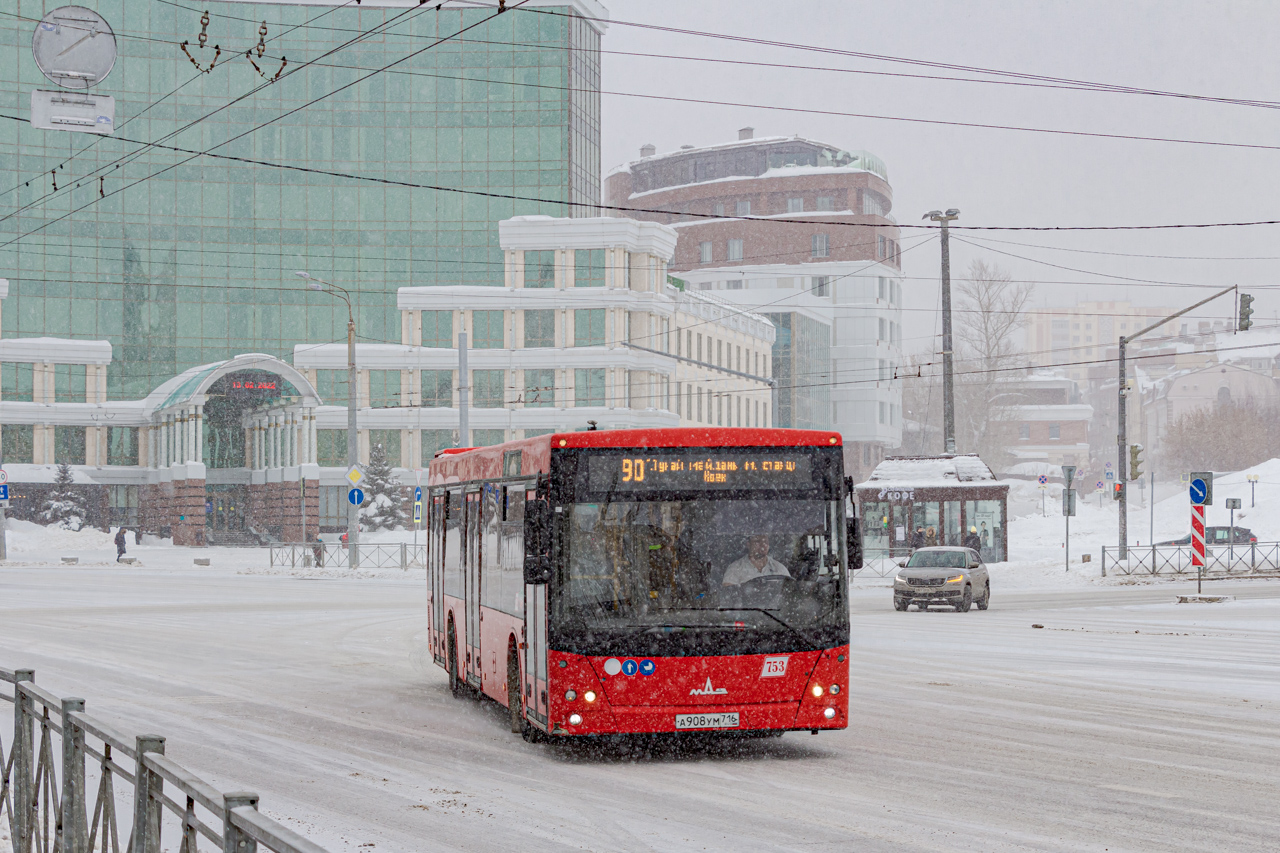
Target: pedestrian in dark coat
(119,544)
(973,540)
(917,538)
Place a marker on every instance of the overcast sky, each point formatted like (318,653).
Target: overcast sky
(998,177)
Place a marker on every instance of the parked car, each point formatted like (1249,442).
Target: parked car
(942,575)
(1219,536)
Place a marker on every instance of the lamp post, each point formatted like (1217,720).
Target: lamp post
(353,443)
(1253,485)
(948,390)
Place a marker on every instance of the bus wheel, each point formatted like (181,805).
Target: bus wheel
(455,684)
(515,698)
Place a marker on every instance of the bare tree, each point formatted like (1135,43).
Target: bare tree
(992,313)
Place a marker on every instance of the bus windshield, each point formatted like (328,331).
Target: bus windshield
(710,574)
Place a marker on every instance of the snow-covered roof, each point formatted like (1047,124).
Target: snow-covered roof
(54,351)
(932,471)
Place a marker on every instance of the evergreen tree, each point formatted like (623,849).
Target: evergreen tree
(384,507)
(65,505)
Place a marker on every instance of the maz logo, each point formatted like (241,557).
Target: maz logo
(708,690)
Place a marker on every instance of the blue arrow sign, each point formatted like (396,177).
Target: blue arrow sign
(417,494)
(4,492)
(1199,490)
(355,496)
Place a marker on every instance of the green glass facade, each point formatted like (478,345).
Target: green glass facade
(179,261)
(802,369)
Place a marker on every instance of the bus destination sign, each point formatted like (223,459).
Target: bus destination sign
(682,472)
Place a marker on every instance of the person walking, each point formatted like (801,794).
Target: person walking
(973,541)
(930,537)
(318,550)
(119,543)
(917,539)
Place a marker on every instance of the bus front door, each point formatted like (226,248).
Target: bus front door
(535,656)
(435,574)
(473,529)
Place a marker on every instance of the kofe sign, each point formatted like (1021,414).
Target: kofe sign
(897,496)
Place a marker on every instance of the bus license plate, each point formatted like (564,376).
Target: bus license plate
(706,721)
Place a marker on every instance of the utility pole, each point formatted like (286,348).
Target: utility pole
(353,437)
(464,394)
(1122,439)
(948,376)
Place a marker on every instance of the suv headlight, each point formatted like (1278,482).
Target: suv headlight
(899,579)
(956,579)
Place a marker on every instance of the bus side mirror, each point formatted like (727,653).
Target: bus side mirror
(537,542)
(853,543)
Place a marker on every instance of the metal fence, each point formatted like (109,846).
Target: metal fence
(1238,560)
(397,555)
(43,791)
(876,563)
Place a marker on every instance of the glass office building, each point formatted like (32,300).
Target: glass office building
(374,181)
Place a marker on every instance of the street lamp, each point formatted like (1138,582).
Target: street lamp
(353,445)
(948,390)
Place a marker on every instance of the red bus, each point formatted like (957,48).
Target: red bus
(645,581)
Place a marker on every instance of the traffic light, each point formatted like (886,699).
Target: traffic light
(1135,461)
(1245,312)
(1119,491)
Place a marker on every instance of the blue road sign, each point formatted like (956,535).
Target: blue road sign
(1199,489)
(4,491)
(629,667)
(648,667)
(417,494)
(355,496)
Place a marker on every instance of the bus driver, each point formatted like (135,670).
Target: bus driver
(756,564)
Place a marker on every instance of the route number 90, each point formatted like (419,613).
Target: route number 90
(632,470)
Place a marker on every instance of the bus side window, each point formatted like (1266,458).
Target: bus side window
(490,521)
(452,556)
(512,600)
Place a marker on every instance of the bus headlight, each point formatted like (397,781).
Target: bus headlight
(817,691)
(830,714)
(835,688)
(590,696)
(575,719)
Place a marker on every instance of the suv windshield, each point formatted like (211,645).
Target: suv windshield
(938,560)
(714,575)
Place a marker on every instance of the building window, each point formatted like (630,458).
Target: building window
(435,440)
(539,389)
(821,284)
(1055,431)
(588,268)
(17,382)
(795,205)
(540,269)
(871,205)
(487,437)
(742,208)
(487,389)
(384,388)
(884,330)
(881,247)
(588,327)
(1024,431)
(822,245)
(122,446)
(733,284)
(884,412)
(486,329)
(588,387)
(331,385)
(705,255)
(735,250)
(68,445)
(437,329)
(68,383)
(540,328)
(826,202)
(719,209)
(331,447)
(390,441)
(437,389)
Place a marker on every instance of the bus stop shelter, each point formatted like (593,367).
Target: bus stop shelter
(939,496)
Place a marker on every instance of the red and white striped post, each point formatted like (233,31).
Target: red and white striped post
(1197,542)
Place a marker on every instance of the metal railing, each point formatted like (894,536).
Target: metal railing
(1236,560)
(48,814)
(877,563)
(329,555)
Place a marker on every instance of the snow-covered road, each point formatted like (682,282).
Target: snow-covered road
(1126,723)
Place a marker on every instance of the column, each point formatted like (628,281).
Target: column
(199,433)
(314,451)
